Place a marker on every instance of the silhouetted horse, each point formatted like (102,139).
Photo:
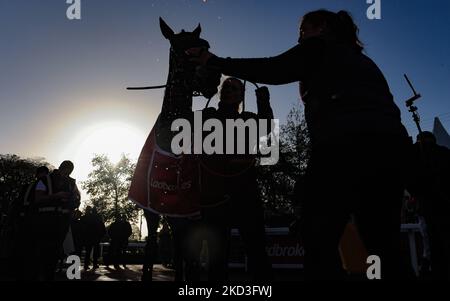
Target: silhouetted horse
(151,187)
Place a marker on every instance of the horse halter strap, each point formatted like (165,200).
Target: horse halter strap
(172,51)
(152,87)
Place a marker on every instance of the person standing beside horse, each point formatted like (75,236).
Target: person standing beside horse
(229,192)
(357,139)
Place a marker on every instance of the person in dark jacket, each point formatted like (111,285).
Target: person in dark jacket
(357,139)
(430,185)
(56,196)
(229,196)
(22,215)
(229,193)
(119,233)
(94,230)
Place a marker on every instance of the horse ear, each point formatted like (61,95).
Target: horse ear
(166,31)
(197,31)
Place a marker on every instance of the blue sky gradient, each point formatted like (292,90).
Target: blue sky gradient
(59,76)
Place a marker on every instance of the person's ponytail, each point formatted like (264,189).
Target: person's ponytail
(348,31)
(340,25)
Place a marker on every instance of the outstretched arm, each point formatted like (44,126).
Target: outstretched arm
(276,70)
(290,66)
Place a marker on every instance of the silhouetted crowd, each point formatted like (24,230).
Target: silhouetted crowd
(44,226)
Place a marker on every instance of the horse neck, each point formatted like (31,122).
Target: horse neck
(177,103)
(177,97)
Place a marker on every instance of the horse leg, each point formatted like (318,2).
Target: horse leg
(151,247)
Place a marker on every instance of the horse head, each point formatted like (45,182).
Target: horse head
(203,80)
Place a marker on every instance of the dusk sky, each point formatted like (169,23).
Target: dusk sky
(62,82)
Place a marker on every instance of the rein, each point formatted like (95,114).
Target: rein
(147,88)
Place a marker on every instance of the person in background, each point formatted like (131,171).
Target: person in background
(430,185)
(21,214)
(119,233)
(77,232)
(94,231)
(165,244)
(55,197)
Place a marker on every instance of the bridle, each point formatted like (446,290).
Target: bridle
(195,81)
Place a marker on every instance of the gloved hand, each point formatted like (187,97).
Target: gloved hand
(262,95)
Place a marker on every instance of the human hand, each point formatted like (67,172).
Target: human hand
(262,94)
